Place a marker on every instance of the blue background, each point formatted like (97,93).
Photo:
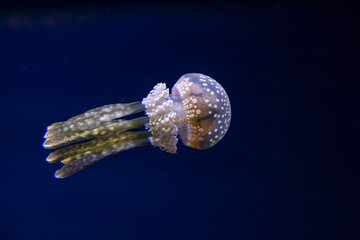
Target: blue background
(285,170)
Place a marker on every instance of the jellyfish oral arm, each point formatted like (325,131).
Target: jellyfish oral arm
(80,156)
(94,123)
(103,127)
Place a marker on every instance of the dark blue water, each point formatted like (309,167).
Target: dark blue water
(285,169)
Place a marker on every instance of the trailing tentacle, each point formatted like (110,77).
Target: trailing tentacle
(95,117)
(104,129)
(80,156)
(97,122)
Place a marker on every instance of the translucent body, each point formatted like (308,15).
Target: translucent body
(206,107)
(198,111)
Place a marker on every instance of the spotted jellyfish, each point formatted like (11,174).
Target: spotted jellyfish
(197,110)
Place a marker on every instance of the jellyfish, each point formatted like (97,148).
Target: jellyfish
(197,111)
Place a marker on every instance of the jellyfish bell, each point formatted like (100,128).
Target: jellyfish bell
(197,110)
(207,109)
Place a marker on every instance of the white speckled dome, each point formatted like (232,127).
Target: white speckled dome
(198,110)
(207,110)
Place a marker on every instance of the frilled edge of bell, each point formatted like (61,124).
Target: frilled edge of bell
(162,119)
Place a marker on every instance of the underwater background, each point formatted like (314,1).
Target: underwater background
(286,169)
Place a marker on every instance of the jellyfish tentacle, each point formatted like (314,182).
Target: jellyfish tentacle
(93,151)
(122,109)
(77,151)
(95,117)
(65,138)
(109,134)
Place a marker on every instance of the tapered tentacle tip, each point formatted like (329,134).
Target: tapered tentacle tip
(49,129)
(48,133)
(69,169)
(52,143)
(52,158)
(48,143)
(54,125)
(59,174)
